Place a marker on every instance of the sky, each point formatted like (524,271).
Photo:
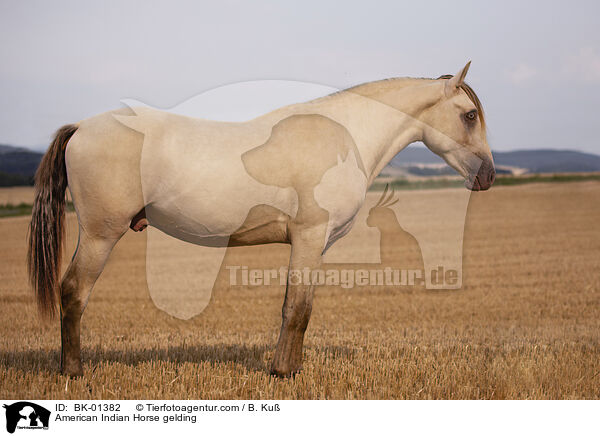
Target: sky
(535,65)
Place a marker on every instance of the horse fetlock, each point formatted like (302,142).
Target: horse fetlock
(71,367)
(287,360)
(287,365)
(70,361)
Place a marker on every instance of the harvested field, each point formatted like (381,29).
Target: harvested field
(526,323)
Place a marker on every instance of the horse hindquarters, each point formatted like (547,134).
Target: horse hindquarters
(104,181)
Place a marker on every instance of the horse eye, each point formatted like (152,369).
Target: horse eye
(471,116)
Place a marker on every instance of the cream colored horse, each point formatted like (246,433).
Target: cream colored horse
(297,175)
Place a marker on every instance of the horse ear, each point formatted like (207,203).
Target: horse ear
(457,80)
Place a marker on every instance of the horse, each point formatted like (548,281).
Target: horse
(297,175)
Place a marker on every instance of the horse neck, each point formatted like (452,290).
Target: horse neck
(380,116)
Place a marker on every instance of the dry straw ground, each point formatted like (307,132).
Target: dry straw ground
(525,325)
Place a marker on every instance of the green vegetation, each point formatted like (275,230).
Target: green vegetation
(403,184)
(15,209)
(545,178)
(22,209)
(441,183)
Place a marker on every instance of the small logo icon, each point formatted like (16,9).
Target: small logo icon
(26,415)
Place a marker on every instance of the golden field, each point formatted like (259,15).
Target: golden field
(526,324)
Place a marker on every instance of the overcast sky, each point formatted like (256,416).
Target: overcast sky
(536,68)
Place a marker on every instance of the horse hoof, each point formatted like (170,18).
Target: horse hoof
(285,373)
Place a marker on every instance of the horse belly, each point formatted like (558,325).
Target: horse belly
(234,218)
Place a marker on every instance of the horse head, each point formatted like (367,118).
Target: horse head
(455,130)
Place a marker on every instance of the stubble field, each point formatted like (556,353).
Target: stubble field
(525,325)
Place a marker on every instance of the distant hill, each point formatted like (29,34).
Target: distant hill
(17,165)
(418,160)
(549,161)
(415,155)
(9,149)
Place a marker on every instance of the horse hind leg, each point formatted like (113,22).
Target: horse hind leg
(85,268)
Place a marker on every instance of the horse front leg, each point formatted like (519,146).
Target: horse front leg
(306,256)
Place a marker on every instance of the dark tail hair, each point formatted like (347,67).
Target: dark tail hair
(46,230)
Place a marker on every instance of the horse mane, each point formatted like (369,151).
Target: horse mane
(406,81)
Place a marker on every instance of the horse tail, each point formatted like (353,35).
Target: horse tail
(46,230)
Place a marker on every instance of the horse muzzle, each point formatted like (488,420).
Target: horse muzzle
(484,179)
